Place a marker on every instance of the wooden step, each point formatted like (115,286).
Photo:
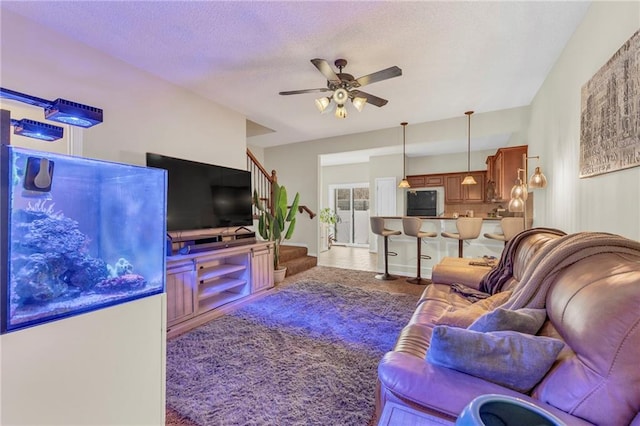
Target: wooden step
(296,259)
(300,264)
(288,253)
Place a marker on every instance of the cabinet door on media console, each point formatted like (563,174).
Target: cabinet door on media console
(261,268)
(181,278)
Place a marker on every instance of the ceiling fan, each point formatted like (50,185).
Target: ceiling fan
(344,87)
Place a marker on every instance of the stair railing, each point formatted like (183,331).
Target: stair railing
(262,183)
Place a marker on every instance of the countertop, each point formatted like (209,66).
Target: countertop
(440,217)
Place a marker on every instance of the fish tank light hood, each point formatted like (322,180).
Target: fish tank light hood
(36,130)
(61,110)
(89,236)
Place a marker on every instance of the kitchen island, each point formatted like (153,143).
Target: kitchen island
(405,263)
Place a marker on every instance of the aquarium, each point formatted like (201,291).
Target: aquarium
(76,235)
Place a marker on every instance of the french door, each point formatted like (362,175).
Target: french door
(351,204)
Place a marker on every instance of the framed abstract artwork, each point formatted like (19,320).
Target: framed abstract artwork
(610,114)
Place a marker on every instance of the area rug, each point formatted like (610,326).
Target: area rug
(304,355)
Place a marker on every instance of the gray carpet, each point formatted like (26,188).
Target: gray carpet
(305,355)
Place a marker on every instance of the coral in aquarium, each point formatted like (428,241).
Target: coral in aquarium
(49,256)
(121,267)
(37,278)
(126,282)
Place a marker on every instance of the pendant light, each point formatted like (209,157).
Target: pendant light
(538,180)
(519,195)
(469,180)
(404,183)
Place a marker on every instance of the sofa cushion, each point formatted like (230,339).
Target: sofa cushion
(594,306)
(525,320)
(463,317)
(511,359)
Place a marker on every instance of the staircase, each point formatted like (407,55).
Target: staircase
(296,259)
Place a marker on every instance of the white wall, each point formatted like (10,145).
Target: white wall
(141,112)
(609,202)
(105,367)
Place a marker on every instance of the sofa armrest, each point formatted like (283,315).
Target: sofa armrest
(443,390)
(445,273)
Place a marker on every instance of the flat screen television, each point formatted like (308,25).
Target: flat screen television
(202,196)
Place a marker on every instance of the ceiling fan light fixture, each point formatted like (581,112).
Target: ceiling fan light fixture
(359,103)
(322,103)
(340,96)
(342,85)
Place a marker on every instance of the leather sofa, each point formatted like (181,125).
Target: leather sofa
(592,301)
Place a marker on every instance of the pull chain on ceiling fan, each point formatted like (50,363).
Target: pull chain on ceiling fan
(344,87)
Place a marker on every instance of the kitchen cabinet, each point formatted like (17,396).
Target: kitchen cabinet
(425,181)
(502,168)
(455,192)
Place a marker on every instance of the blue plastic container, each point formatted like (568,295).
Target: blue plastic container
(76,235)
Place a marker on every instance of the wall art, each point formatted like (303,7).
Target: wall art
(610,114)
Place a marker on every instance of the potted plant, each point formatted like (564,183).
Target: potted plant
(329,218)
(278,226)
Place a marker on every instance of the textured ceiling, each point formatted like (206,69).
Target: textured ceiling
(455,56)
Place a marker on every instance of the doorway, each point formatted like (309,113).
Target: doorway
(351,204)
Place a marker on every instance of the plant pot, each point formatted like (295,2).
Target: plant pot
(278,274)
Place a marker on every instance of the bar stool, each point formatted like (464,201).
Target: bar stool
(468,229)
(511,226)
(377,227)
(411,227)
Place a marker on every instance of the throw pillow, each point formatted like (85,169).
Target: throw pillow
(508,358)
(463,317)
(525,320)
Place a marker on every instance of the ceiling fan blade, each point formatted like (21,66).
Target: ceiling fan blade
(379,76)
(326,70)
(297,92)
(372,99)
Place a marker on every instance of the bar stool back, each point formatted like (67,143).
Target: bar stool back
(468,229)
(511,226)
(377,227)
(411,227)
